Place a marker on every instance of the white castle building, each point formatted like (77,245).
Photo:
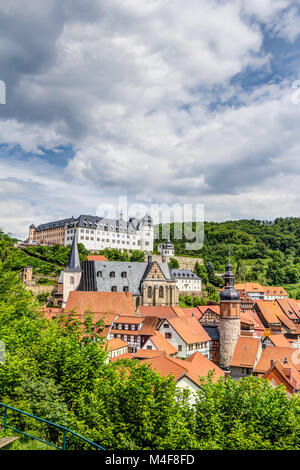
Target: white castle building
(97,233)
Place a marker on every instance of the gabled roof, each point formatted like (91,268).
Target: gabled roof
(96,258)
(192,312)
(274,291)
(252,287)
(285,374)
(101,302)
(162,344)
(245,352)
(269,310)
(157,311)
(116,343)
(147,353)
(277,354)
(189,329)
(193,367)
(279,341)
(213,308)
(122,356)
(290,308)
(149,325)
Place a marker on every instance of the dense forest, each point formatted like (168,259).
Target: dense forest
(261,251)
(57,370)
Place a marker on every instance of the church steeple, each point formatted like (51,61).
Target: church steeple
(74,259)
(229,292)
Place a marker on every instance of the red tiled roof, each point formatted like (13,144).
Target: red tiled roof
(277,354)
(157,311)
(162,344)
(279,341)
(245,352)
(290,308)
(115,343)
(192,367)
(214,308)
(122,356)
(96,258)
(189,329)
(192,312)
(149,325)
(271,290)
(269,310)
(147,353)
(101,302)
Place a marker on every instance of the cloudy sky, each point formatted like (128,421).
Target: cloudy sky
(165,101)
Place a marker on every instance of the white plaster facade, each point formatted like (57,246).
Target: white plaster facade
(184,349)
(99,239)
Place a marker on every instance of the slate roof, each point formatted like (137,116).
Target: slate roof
(213,332)
(115,225)
(184,274)
(74,260)
(135,273)
(56,224)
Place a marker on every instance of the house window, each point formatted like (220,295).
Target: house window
(161,292)
(125,289)
(166,325)
(99,274)
(114,289)
(149,291)
(168,335)
(124,274)
(72,280)
(179,347)
(112,274)
(149,347)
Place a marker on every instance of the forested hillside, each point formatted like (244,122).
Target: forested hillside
(56,370)
(268,252)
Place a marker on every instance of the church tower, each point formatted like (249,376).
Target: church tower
(72,274)
(230,322)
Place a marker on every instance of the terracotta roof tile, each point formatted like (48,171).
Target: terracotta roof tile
(96,258)
(162,344)
(101,302)
(245,352)
(279,341)
(189,329)
(116,343)
(157,311)
(277,354)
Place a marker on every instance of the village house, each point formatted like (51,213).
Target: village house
(186,335)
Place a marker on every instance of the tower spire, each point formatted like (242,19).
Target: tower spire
(74,259)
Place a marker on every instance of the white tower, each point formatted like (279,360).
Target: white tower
(147,233)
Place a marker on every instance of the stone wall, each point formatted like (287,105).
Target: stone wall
(184,262)
(229,333)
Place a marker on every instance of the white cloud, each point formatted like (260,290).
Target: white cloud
(131,86)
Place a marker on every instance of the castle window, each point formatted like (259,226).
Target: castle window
(99,274)
(114,289)
(149,291)
(124,274)
(112,274)
(72,280)
(161,292)
(125,288)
